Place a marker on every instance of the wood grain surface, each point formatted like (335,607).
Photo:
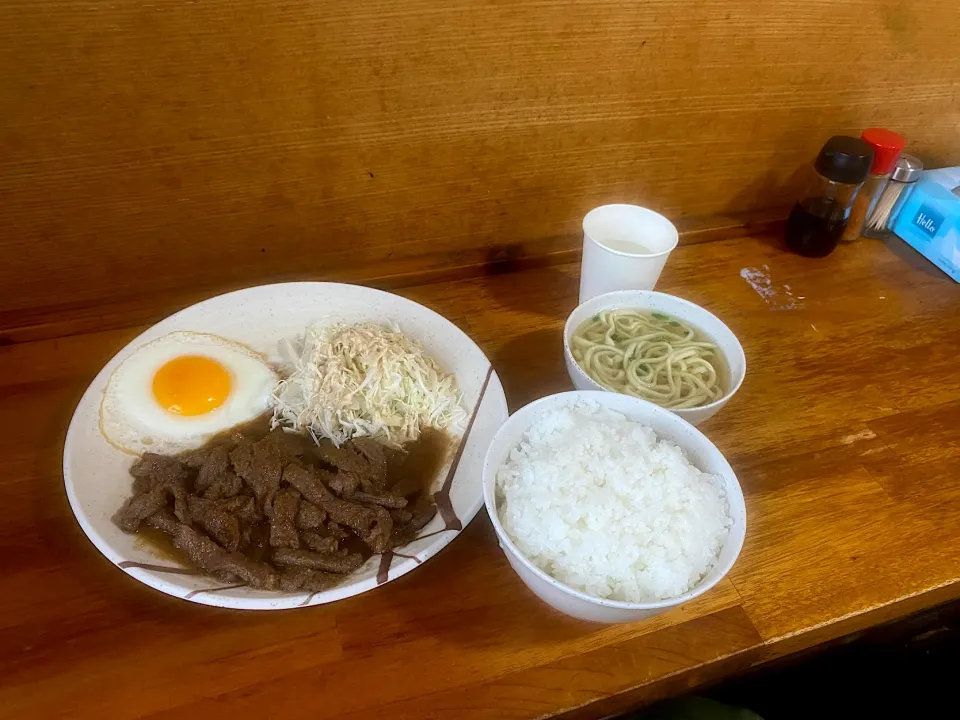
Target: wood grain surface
(845,437)
(176,146)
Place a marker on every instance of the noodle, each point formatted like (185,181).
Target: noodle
(650,356)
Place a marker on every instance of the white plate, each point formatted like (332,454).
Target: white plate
(97,478)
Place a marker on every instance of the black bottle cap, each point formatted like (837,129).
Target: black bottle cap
(845,159)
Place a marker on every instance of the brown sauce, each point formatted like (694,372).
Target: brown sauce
(160,545)
(417,465)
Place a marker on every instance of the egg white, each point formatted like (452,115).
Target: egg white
(132,420)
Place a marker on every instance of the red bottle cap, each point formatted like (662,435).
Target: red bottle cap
(887,146)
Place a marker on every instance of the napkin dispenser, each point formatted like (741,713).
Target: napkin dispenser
(929,220)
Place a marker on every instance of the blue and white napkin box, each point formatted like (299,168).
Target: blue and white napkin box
(929,221)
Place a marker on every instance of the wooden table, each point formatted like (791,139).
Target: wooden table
(845,438)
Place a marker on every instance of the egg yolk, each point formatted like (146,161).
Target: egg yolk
(191,385)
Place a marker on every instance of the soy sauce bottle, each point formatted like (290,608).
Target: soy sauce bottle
(818,220)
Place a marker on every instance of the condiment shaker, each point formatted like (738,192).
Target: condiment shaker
(819,218)
(879,223)
(887,146)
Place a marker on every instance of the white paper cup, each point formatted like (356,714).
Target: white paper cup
(624,248)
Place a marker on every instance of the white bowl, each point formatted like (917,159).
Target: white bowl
(698,449)
(703,320)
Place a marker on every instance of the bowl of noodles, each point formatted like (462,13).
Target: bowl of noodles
(656,347)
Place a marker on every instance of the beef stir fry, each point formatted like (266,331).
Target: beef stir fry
(276,511)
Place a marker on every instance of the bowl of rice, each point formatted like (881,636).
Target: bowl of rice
(610,508)
(653,360)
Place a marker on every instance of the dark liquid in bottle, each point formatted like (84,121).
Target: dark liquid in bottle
(815,226)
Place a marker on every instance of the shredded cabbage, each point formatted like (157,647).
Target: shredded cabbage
(364,380)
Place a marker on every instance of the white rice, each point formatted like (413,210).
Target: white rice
(601,504)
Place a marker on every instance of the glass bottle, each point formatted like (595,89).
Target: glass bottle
(819,218)
(883,215)
(887,147)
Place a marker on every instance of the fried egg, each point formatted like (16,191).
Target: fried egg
(175,393)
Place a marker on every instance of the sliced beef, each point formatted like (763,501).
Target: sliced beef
(260,464)
(166,484)
(373,524)
(309,483)
(142,485)
(241,457)
(195,458)
(424,510)
(221,525)
(323,544)
(151,470)
(401,516)
(253,495)
(242,434)
(255,540)
(361,464)
(358,517)
(158,467)
(380,535)
(268,465)
(291,446)
(404,534)
(283,528)
(207,555)
(164,522)
(227,485)
(408,524)
(337,531)
(345,484)
(294,579)
(256,574)
(242,507)
(178,489)
(406,486)
(138,508)
(376,477)
(215,465)
(340,564)
(383,500)
(309,516)
(344,458)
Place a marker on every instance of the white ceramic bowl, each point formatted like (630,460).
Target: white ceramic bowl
(699,450)
(703,320)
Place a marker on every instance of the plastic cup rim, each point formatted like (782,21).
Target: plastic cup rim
(659,253)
